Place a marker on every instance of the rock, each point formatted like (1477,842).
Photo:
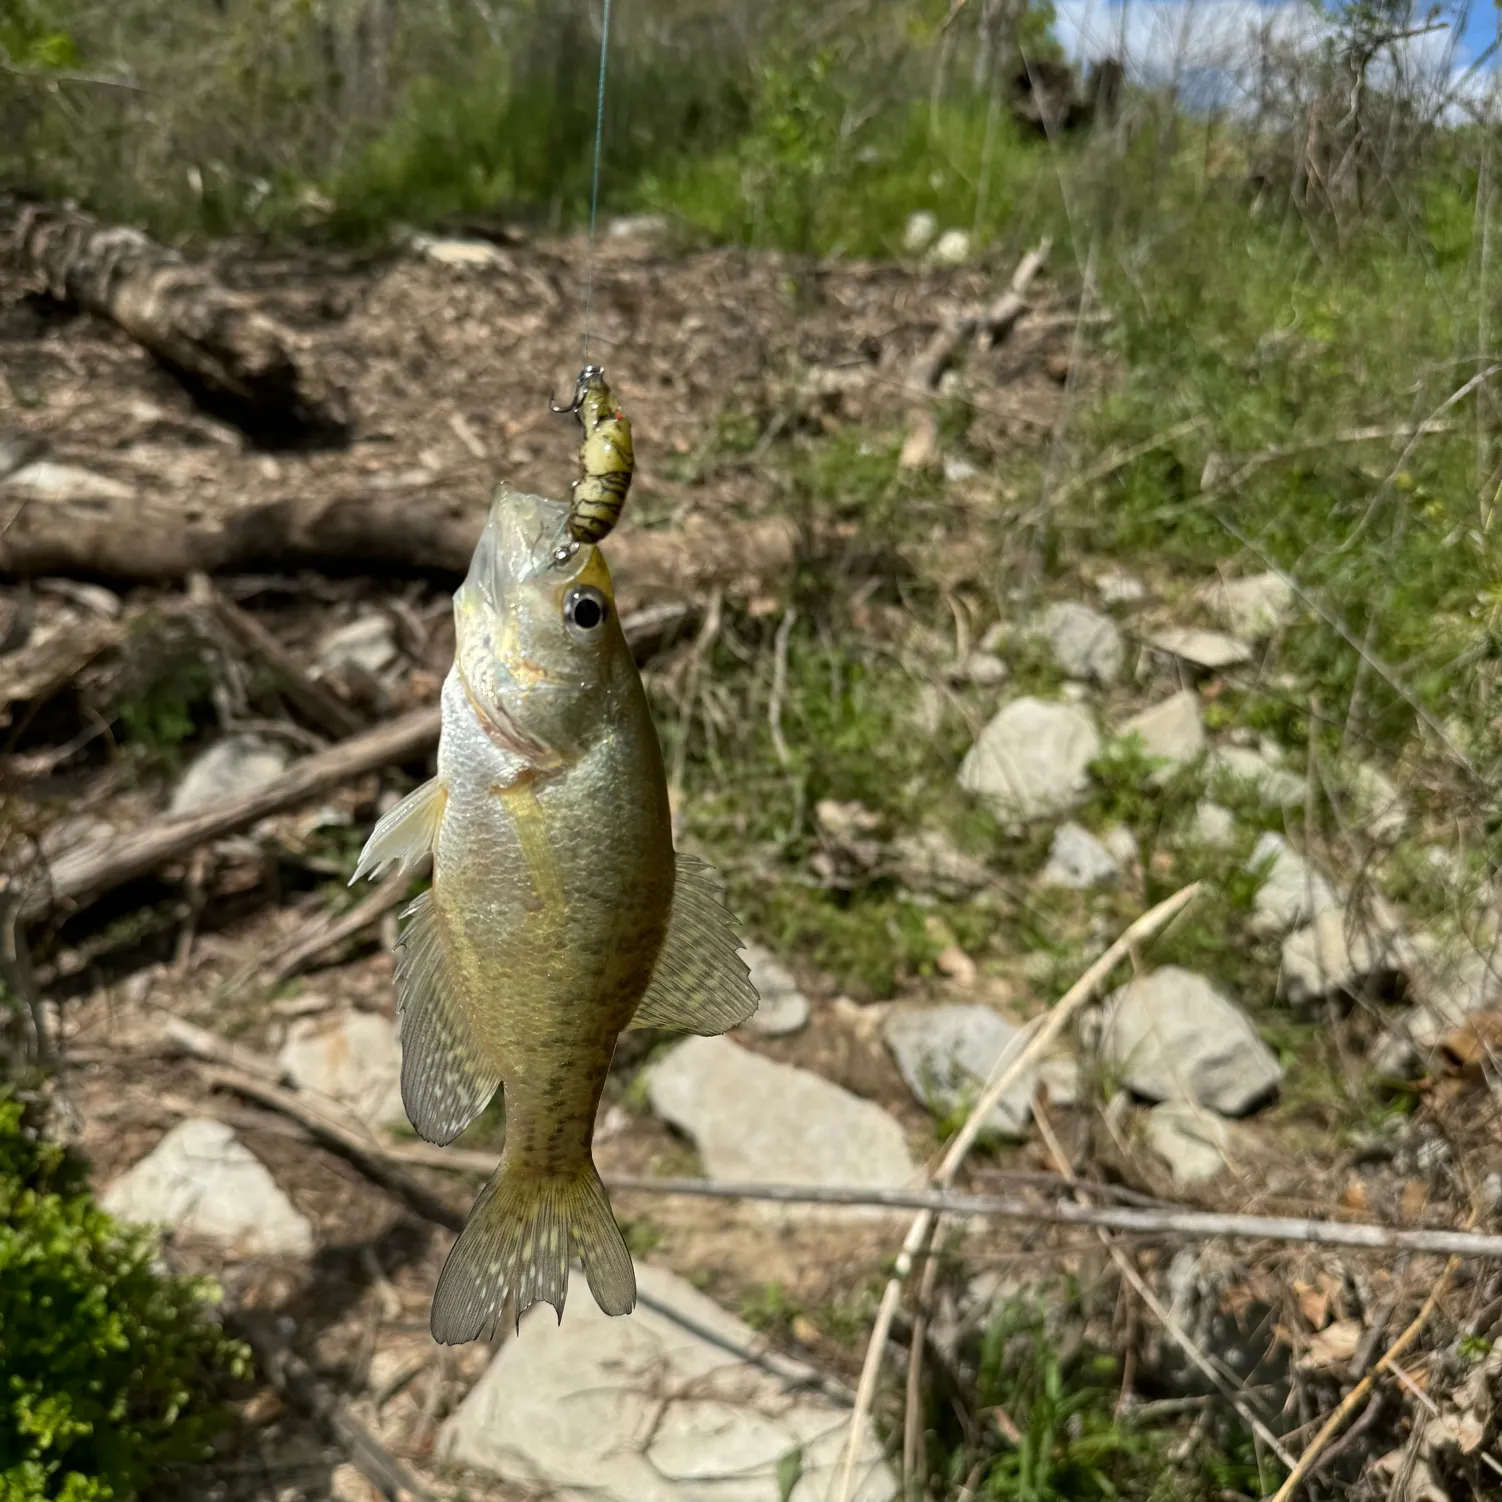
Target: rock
(952,248)
(1213,825)
(1117,588)
(1275,787)
(638,226)
(1253,607)
(1384,813)
(203,1182)
(1032,759)
(783,1007)
(648,1409)
(1339,953)
(1085,643)
(918,234)
(1208,650)
(1121,845)
(230,768)
(447,251)
(1193,1142)
(1174,1036)
(354,1059)
(1078,860)
(1292,892)
(753,1119)
(984,669)
(945,1054)
(65,482)
(958,469)
(1171,730)
(929,861)
(368,643)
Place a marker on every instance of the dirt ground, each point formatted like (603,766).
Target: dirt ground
(450,367)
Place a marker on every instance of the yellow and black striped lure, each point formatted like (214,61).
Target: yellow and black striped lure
(607,461)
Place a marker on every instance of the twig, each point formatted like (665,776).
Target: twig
(321,935)
(199,1043)
(82,875)
(780,682)
(1008,1067)
(994,323)
(1001,317)
(291,1376)
(340,1135)
(1353,1399)
(1179,1335)
(310,698)
(255,1076)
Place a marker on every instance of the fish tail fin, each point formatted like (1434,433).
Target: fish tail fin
(517,1244)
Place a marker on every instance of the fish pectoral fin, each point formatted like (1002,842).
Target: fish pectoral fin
(517,1243)
(700,983)
(406,834)
(446,1082)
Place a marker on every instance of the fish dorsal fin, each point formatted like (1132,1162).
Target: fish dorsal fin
(406,834)
(445,1081)
(700,983)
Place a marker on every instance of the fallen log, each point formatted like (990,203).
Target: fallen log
(146,539)
(182,315)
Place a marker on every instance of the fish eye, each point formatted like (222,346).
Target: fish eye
(585,611)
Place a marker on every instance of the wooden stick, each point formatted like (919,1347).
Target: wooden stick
(82,875)
(321,935)
(1001,317)
(1008,1068)
(993,323)
(291,1376)
(314,701)
(1198,1225)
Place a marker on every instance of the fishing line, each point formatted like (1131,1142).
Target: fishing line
(594,196)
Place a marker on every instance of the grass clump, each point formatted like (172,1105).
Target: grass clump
(110,1373)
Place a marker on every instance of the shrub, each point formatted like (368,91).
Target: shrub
(109,1371)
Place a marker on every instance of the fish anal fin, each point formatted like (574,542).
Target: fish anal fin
(517,1244)
(446,1082)
(700,984)
(406,833)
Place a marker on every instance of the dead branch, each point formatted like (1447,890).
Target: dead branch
(313,700)
(252,1075)
(83,874)
(992,323)
(321,935)
(337,1131)
(296,1381)
(146,538)
(181,313)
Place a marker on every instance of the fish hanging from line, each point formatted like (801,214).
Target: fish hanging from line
(559,914)
(607,461)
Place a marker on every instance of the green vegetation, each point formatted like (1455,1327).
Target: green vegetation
(109,1370)
(1051,1432)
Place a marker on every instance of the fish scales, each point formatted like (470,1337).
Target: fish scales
(558,915)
